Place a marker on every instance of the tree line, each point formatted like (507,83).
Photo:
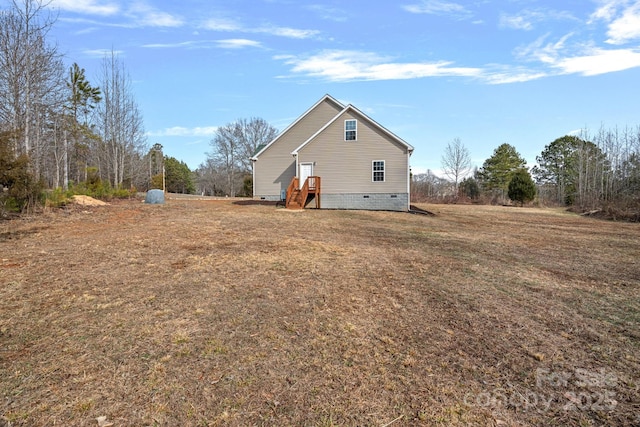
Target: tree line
(58,130)
(492,183)
(587,172)
(57,127)
(592,171)
(227,169)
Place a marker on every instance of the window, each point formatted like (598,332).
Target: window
(350,130)
(378,171)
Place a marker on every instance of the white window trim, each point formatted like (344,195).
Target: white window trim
(384,170)
(350,130)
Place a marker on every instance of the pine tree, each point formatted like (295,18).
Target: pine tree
(521,187)
(178,176)
(497,170)
(469,188)
(564,166)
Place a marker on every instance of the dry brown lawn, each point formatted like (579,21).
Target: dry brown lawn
(203,313)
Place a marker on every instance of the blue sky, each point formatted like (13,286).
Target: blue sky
(524,72)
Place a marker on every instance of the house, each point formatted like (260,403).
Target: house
(336,157)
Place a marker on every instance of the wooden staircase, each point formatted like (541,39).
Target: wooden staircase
(297,197)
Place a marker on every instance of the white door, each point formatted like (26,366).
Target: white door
(306,170)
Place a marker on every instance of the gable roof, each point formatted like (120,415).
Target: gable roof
(262,149)
(375,124)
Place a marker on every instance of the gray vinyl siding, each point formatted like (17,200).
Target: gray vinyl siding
(346,166)
(275,166)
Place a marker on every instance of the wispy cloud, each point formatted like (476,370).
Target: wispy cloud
(626,28)
(101,53)
(439,7)
(88,7)
(622,18)
(607,10)
(148,16)
(231,25)
(548,59)
(542,51)
(528,19)
(95,23)
(187,44)
(237,43)
(516,22)
(575,58)
(136,14)
(222,24)
(341,66)
(292,33)
(344,66)
(329,13)
(206,131)
(500,75)
(206,44)
(600,61)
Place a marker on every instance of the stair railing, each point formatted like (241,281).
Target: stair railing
(293,185)
(304,192)
(314,187)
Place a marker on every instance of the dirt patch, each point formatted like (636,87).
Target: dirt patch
(210,313)
(87,201)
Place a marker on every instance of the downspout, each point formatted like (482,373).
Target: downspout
(253,177)
(409,180)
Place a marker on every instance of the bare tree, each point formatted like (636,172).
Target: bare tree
(122,144)
(428,186)
(209,179)
(226,147)
(252,133)
(609,168)
(456,161)
(30,76)
(48,121)
(232,148)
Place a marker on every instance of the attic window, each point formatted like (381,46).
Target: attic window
(350,130)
